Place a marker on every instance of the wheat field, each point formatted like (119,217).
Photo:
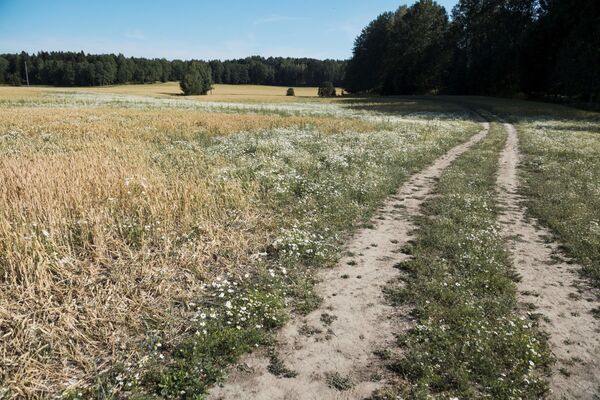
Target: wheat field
(220,92)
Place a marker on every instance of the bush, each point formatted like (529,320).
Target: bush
(197,79)
(290,92)
(327,90)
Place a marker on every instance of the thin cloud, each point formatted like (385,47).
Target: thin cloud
(135,34)
(277,18)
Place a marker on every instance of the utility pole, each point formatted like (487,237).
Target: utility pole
(26,74)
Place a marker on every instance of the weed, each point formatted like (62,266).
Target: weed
(385,354)
(306,330)
(327,319)
(339,382)
(565,372)
(278,368)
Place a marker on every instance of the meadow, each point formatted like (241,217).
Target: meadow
(142,238)
(148,241)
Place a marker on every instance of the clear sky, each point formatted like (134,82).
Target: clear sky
(203,29)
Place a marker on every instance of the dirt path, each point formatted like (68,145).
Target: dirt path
(353,320)
(551,283)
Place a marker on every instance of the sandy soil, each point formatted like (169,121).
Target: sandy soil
(552,284)
(353,321)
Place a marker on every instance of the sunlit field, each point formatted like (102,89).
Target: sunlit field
(147,241)
(220,92)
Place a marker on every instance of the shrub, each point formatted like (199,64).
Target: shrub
(290,92)
(197,79)
(327,90)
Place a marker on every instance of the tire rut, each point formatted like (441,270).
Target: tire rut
(353,320)
(551,282)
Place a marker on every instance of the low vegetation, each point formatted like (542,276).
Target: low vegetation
(560,167)
(562,171)
(469,339)
(145,244)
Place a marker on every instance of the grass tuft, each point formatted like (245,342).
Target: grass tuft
(339,382)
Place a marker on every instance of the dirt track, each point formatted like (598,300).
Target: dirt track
(354,321)
(551,283)
(359,322)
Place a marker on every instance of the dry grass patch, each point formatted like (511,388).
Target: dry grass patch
(157,125)
(101,251)
(220,92)
(17,93)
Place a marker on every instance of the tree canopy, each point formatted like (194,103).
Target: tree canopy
(197,80)
(327,89)
(494,47)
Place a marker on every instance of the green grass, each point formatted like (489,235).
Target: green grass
(469,339)
(560,167)
(339,382)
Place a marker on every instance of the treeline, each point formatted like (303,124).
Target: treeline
(539,48)
(278,71)
(80,69)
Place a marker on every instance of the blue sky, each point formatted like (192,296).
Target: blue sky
(185,29)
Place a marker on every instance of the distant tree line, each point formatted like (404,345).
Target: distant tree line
(80,69)
(278,71)
(538,48)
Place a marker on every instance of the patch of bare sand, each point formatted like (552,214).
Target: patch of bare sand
(354,320)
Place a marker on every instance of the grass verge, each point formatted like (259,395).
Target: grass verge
(469,340)
(561,169)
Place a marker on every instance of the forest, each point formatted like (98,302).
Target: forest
(536,48)
(80,69)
